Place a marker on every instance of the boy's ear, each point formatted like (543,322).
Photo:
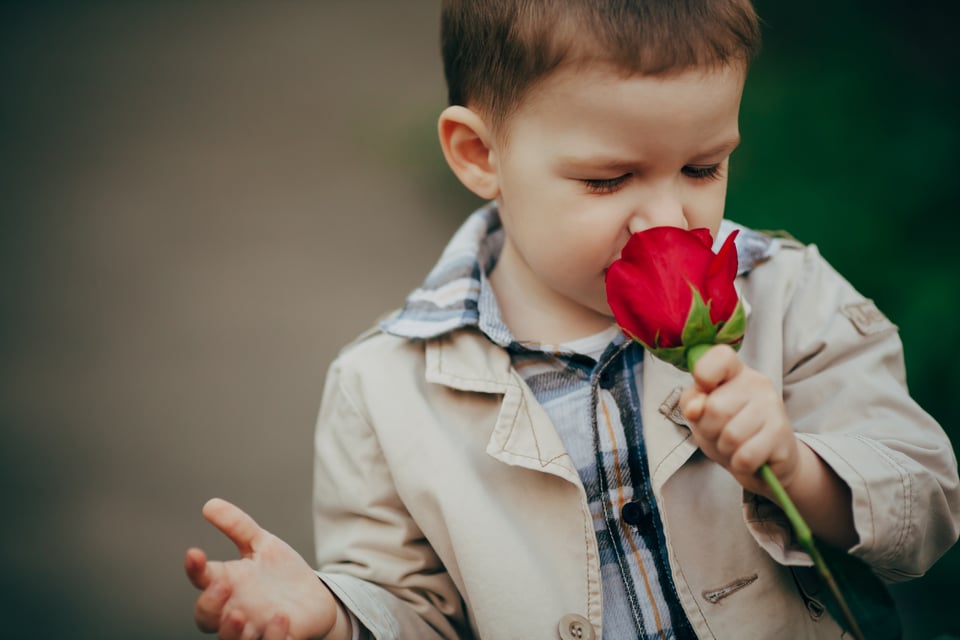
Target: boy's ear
(466,143)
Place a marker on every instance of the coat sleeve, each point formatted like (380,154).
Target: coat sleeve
(370,552)
(844,387)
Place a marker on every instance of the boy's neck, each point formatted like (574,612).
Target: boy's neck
(540,316)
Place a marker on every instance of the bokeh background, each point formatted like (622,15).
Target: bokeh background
(202,201)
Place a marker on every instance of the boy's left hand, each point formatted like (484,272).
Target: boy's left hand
(738,420)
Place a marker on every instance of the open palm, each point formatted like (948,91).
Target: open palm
(270,592)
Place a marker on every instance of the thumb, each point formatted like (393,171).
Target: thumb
(230,519)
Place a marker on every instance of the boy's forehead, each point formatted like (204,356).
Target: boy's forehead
(595,80)
(602,107)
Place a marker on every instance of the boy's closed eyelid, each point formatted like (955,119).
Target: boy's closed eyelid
(605,185)
(708,172)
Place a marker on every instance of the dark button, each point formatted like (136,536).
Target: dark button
(632,513)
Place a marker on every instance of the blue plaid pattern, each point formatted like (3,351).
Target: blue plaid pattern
(595,407)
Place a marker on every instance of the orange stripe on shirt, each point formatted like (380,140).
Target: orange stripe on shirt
(621,500)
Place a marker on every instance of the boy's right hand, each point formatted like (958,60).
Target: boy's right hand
(270,592)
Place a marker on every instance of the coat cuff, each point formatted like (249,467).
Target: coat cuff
(380,614)
(880,500)
(370,616)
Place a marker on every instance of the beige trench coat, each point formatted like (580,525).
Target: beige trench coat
(446,505)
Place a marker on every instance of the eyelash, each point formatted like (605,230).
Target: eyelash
(703,173)
(610,185)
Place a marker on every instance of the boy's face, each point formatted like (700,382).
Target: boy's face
(593,156)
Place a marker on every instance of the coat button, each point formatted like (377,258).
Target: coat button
(632,513)
(576,627)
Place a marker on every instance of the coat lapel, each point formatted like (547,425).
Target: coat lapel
(667,438)
(666,434)
(523,434)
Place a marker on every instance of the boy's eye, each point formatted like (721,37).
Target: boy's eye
(608,185)
(711,172)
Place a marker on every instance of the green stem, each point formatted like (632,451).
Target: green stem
(694,354)
(800,528)
(805,537)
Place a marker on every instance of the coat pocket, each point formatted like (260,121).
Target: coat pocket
(810,588)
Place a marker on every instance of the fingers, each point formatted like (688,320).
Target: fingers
(200,571)
(277,629)
(208,610)
(753,453)
(234,523)
(709,413)
(235,626)
(195,565)
(692,403)
(717,365)
(738,430)
(249,632)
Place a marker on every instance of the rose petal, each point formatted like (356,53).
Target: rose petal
(642,307)
(648,289)
(703,234)
(719,289)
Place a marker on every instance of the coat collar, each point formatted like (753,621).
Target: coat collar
(523,434)
(456,293)
(464,354)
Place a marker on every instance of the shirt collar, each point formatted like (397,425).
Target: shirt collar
(457,294)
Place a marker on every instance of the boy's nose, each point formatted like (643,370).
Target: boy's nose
(663,210)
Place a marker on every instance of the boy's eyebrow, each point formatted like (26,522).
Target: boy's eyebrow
(607,163)
(725,148)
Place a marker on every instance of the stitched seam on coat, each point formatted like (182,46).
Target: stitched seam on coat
(486,382)
(587,535)
(907,487)
(679,569)
(513,424)
(826,444)
(523,406)
(663,461)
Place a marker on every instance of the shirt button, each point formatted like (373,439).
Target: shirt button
(576,627)
(632,513)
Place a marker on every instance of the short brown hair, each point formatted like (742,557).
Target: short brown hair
(494,51)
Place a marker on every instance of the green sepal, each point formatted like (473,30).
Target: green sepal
(698,328)
(733,329)
(677,356)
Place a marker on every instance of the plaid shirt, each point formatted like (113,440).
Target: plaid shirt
(594,403)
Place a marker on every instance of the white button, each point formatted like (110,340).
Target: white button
(576,627)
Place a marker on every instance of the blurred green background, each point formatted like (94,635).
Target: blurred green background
(202,201)
(850,126)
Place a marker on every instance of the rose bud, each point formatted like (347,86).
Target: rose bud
(670,292)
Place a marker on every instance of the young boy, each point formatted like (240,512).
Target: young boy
(498,461)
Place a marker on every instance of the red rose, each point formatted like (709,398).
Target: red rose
(670,292)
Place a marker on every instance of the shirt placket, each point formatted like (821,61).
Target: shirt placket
(632,524)
(610,516)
